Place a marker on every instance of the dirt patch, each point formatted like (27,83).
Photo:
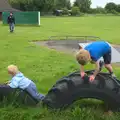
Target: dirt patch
(66,46)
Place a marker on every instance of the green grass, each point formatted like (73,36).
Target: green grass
(46,66)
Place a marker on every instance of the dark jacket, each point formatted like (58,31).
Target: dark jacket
(11,19)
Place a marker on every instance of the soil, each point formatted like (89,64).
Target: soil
(66,46)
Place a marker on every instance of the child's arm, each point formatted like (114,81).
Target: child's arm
(82,73)
(97,68)
(81,68)
(13,83)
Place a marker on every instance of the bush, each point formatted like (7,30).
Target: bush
(97,10)
(90,11)
(114,12)
(75,11)
(65,11)
(118,8)
(100,10)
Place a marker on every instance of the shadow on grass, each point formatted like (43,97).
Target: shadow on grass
(89,103)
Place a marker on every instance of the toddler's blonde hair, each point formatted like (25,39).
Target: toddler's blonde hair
(83,57)
(13,69)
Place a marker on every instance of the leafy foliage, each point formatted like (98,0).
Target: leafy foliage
(111,6)
(40,5)
(48,6)
(65,11)
(75,10)
(84,5)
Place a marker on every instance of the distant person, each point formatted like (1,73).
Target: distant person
(20,81)
(11,22)
(92,53)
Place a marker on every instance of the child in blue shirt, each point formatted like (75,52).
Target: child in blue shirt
(92,53)
(20,81)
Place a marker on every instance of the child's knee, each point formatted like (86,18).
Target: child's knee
(107,65)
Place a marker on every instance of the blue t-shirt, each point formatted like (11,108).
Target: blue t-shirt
(98,49)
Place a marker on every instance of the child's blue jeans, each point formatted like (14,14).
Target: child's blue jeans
(11,25)
(32,90)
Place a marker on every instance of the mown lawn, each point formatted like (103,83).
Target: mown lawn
(45,66)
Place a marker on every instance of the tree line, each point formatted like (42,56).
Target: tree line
(40,5)
(78,7)
(109,8)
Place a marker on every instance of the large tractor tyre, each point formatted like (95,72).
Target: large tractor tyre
(16,96)
(72,87)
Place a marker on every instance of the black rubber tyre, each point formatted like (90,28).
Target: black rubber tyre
(73,87)
(16,96)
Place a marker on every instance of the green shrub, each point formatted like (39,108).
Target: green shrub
(65,11)
(75,11)
(114,12)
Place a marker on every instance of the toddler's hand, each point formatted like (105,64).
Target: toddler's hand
(82,74)
(92,77)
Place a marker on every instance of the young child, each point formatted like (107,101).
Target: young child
(92,53)
(20,81)
(11,22)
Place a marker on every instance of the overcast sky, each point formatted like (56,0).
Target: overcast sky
(101,3)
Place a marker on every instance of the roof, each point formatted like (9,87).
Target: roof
(5,6)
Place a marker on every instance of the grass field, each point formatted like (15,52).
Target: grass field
(46,66)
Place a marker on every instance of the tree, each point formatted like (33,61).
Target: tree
(40,5)
(111,6)
(84,5)
(100,10)
(68,4)
(24,5)
(118,8)
(48,5)
(33,5)
(65,11)
(15,3)
(59,4)
(114,12)
(75,10)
